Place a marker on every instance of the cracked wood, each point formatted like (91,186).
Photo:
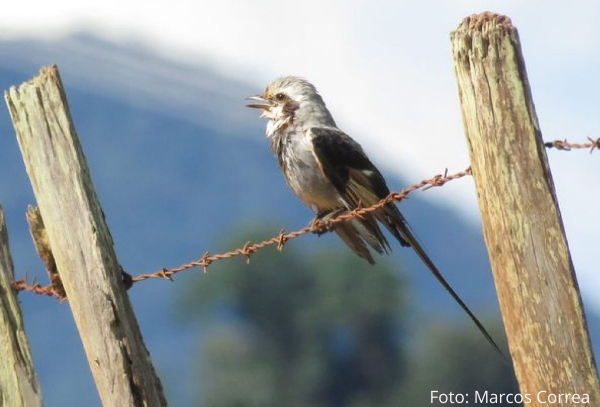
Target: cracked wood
(19,385)
(533,272)
(81,243)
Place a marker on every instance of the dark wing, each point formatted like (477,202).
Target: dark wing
(339,154)
(355,177)
(358,180)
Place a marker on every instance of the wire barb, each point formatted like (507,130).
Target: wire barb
(164,273)
(281,240)
(205,261)
(34,287)
(248,251)
(566,146)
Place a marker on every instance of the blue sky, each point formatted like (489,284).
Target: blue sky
(385,70)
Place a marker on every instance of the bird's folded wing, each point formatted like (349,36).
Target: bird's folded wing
(346,165)
(356,179)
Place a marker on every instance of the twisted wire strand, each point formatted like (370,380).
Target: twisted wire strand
(566,146)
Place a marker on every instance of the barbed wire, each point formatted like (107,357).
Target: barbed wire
(317,226)
(566,146)
(36,288)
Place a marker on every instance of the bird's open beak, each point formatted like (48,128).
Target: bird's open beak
(264,105)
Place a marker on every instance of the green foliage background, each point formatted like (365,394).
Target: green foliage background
(326,329)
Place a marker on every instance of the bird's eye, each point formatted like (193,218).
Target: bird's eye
(280,97)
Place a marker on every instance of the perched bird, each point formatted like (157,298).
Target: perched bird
(331,173)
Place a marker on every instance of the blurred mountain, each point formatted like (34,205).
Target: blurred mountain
(299,336)
(179,164)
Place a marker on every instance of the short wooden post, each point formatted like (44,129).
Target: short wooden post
(81,243)
(533,273)
(19,385)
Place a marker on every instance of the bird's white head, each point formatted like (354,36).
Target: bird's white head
(291,101)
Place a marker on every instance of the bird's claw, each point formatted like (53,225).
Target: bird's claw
(321,225)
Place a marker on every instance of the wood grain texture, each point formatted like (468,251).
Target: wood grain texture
(81,243)
(19,385)
(522,226)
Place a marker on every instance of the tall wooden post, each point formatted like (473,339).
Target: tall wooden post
(533,273)
(19,385)
(81,243)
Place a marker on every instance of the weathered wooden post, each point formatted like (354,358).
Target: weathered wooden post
(81,243)
(19,385)
(533,273)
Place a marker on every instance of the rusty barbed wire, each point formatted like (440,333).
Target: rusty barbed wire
(36,288)
(566,146)
(319,227)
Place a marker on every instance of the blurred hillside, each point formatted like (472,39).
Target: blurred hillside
(326,331)
(182,167)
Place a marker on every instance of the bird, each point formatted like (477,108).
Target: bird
(332,175)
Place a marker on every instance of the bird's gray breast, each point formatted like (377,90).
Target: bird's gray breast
(295,154)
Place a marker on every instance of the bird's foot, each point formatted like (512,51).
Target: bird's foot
(318,227)
(320,224)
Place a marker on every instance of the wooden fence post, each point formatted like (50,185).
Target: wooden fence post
(81,243)
(533,273)
(19,385)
